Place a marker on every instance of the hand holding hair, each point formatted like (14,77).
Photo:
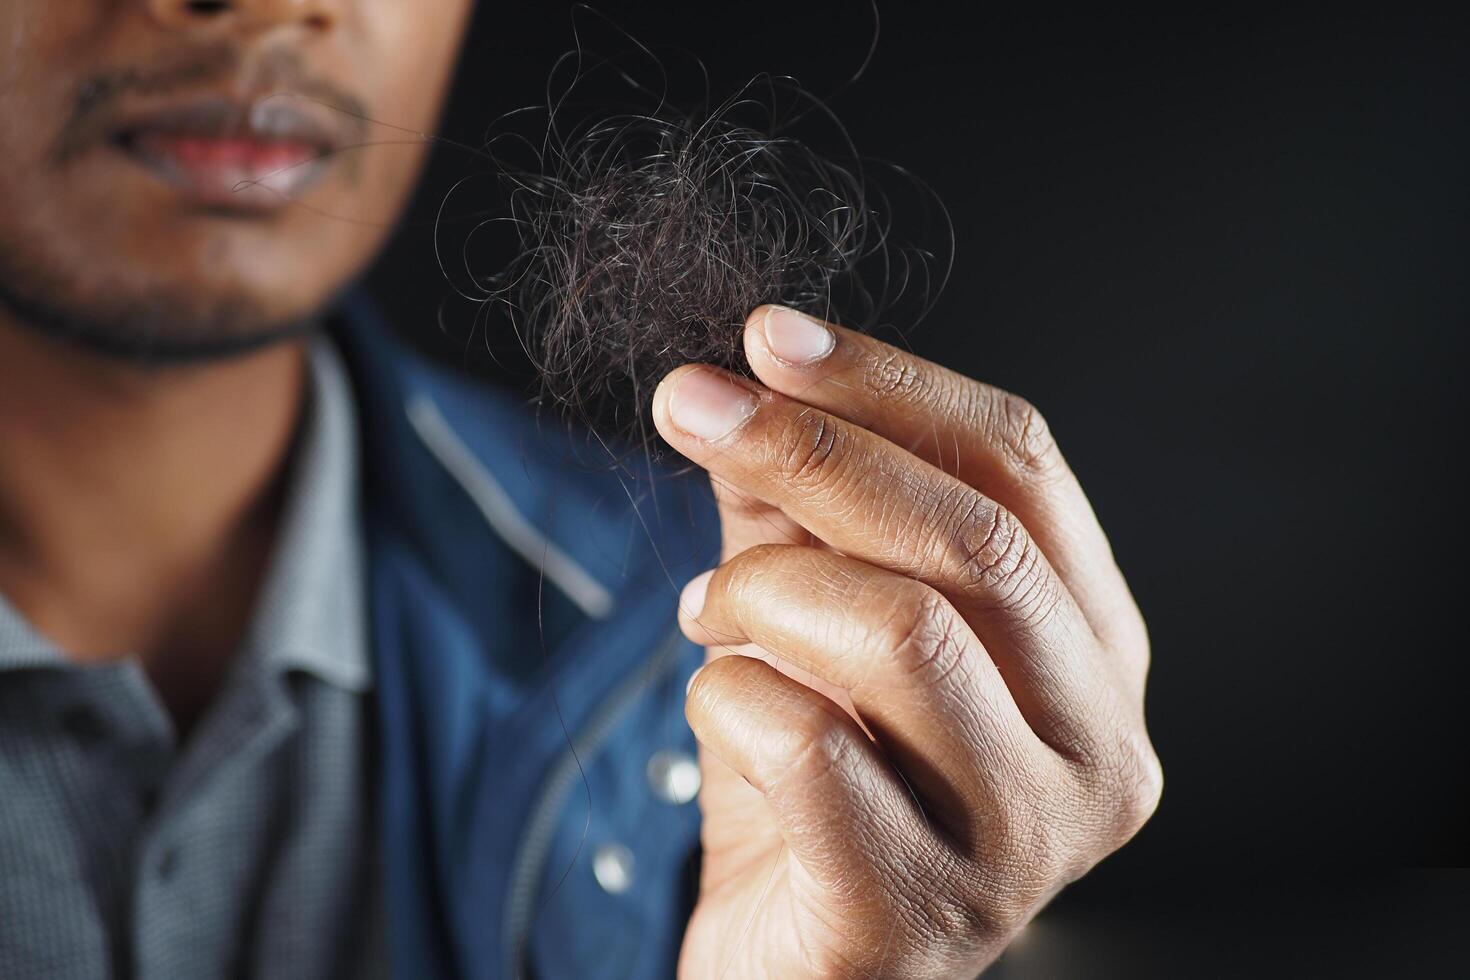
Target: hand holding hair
(922,712)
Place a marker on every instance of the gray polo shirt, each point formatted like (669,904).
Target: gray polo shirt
(248,850)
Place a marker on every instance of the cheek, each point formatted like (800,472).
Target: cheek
(48,215)
(401,60)
(40,51)
(411,50)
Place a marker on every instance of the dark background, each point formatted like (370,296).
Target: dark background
(1226,255)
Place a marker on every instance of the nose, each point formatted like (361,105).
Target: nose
(319,15)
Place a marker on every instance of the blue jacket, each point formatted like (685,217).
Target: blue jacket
(529,667)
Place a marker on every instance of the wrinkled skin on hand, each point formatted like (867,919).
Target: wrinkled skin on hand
(922,711)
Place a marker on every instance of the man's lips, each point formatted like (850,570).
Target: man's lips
(226,156)
(247,172)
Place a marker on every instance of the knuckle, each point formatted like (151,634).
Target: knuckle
(892,375)
(925,639)
(1024,436)
(1141,789)
(812,447)
(983,544)
(813,745)
(1126,787)
(991,554)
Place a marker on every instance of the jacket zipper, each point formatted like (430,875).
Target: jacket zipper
(541,828)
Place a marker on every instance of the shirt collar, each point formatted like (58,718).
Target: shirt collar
(20,645)
(311,612)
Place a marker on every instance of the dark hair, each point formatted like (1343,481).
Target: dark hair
(644,238)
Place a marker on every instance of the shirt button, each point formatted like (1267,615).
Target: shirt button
(612,866)
(673,776)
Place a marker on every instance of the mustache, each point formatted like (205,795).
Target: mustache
(101,100)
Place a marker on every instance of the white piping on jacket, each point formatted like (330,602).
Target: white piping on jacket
(500,512)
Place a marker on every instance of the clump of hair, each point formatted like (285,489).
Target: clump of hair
(645,238)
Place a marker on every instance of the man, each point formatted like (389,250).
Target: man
(317,661)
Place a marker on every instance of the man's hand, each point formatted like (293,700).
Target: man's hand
(923,710)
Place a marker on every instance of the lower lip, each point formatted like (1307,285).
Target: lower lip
(232,173)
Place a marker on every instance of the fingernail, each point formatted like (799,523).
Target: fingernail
(797,339)
(689,684)
(709,406)
(691,600)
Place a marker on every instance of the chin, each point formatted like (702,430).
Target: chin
(219,269)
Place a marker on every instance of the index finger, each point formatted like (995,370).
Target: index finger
(988,438)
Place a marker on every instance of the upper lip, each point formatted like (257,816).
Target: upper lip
(269,119)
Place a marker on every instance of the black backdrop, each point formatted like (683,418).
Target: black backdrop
(1226,255)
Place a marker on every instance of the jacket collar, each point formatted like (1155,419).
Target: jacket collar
(459,469)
